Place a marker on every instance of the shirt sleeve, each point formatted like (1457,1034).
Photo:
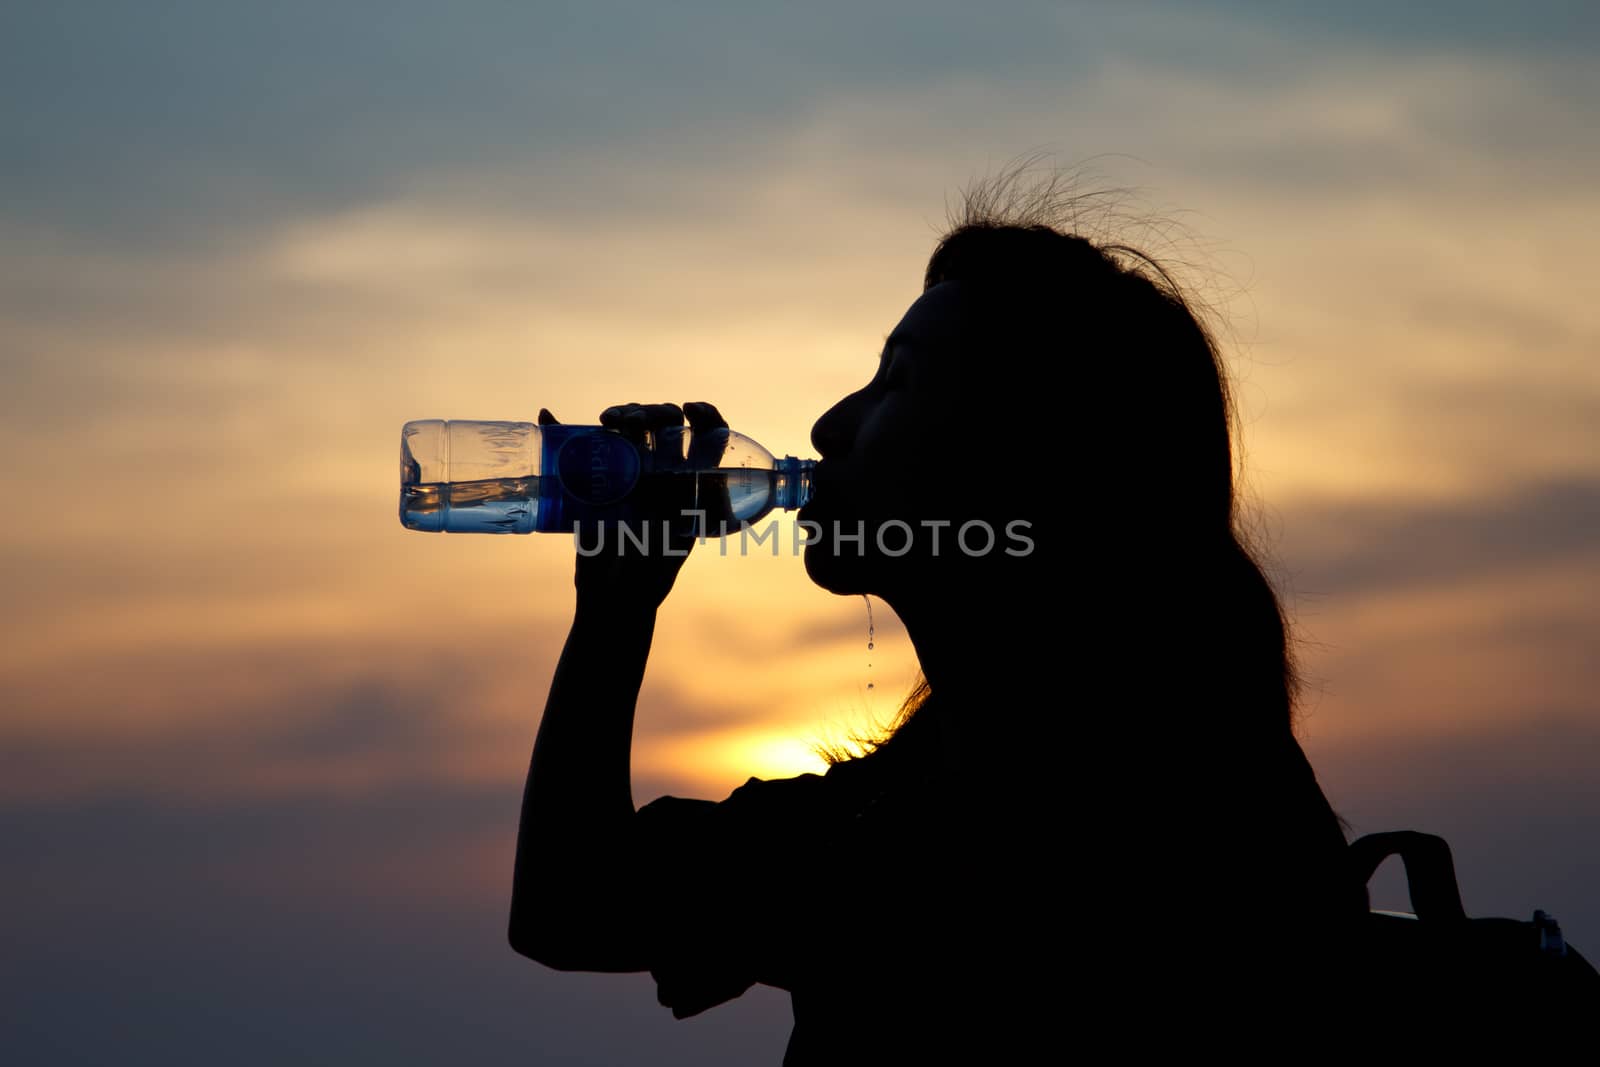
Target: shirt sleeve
(724,888)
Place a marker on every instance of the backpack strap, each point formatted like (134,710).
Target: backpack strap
(1430,871)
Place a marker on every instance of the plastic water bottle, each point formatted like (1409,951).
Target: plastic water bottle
(519,477)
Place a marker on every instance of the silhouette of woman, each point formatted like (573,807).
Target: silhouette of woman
(1092,812)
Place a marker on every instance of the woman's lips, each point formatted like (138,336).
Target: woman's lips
(820,477)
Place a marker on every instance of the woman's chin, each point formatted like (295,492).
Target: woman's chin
(844,576)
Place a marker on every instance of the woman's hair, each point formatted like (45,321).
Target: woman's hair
(1145,448)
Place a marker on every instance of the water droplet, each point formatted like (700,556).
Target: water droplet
(870,631)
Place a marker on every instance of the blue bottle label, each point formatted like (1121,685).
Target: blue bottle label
(598,467)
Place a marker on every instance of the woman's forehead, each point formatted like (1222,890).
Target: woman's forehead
(936,321)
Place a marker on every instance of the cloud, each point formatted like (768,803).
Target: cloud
(1363,547)
(272,717)
(188,130)
(1562,26)
(219,123)
(279,718)
(368,928)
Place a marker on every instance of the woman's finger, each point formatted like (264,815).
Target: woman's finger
(703,416)
(665,422)
(628,419)
(663,415)
(612,416)
(635,420)
(708,437)
(653,415)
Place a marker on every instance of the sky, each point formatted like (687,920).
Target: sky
(262,748)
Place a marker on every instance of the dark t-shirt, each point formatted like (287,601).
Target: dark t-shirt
(913,914)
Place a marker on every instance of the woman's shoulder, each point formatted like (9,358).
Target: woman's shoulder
(843,788)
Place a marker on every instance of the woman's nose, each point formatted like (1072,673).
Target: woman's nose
(829,434)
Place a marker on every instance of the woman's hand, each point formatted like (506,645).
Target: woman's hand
(622,575)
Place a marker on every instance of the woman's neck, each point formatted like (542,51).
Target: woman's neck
(980,655)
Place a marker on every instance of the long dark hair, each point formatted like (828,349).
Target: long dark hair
(1148,390)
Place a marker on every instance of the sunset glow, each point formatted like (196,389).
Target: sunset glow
(233,265)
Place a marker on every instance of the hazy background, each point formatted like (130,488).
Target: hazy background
(261,748)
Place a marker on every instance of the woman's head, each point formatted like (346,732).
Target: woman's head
(1091,355)
(1062,399)
(1041,391)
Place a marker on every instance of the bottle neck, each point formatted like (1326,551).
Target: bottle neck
(794,482)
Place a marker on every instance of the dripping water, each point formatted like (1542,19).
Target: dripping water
(870,631)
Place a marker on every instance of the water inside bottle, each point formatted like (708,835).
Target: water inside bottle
(539,505)
(493,505)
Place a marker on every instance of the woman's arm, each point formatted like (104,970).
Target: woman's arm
(572,884)
(567,897)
